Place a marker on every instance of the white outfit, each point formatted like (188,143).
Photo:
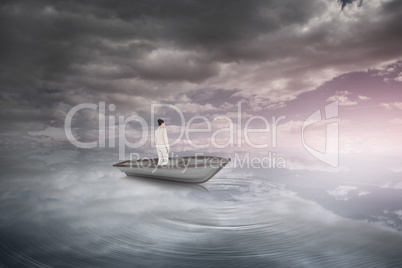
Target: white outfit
(162,145)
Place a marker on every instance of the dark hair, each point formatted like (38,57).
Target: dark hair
(160,122)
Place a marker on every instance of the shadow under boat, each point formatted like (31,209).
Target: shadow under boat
(166,184)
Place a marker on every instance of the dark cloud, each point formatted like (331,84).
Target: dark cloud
(56,54)
(345,2)
(54,35)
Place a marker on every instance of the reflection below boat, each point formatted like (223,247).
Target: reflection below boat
(190,169)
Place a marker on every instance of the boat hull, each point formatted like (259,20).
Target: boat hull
(180,169)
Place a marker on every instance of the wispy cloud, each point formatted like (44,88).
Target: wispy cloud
(342,98)
(392,105)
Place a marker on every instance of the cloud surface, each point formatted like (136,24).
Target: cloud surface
(202,56)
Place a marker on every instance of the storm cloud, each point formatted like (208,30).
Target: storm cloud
(57,54)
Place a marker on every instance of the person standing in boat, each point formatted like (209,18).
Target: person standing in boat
(162,143)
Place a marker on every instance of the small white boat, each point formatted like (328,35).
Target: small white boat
(190,169)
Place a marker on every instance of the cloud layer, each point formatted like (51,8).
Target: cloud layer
(203,56)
